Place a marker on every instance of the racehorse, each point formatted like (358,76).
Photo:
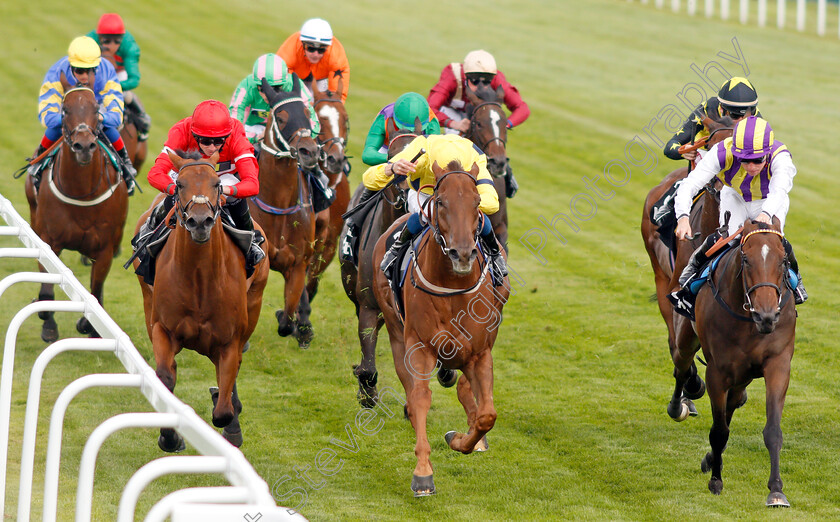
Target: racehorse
(82,203)
(332,140)
(739,347)
(488,130)
(201,299)
(452,313)
(284,205)
(667,267)
(358,282)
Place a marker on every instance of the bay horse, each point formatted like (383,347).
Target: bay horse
(667,268)
(335,126)
(488,130)
(740,348)
(452,313)
(283,206)
(82,203)
(201,299)
(358,282)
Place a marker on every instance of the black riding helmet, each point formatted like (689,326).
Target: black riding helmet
(737,95)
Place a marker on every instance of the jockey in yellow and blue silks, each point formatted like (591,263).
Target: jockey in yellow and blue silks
(757,172)
(440,149)
(83,67)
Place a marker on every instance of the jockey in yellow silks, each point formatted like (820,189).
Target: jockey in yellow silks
(440,149)
(757,172)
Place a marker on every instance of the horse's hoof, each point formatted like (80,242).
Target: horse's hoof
(706,463)
(715,485)
(214,395)
(742,401)
(235,438)
(86,261)
(405,412)
(777,499)
(176,446)
(366,398)
(49,332)
(83,326)
(449,436)
(246,346)
(422,486)
(698,393)
(482,445)
(692,410)
(447,378)
(285,327)
(680,412)
(304,335)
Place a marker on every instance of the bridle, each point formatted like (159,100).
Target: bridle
(474,124)
(197,199)
(748,306)
(434,219)
(285,148)
(82,127)
(336,141)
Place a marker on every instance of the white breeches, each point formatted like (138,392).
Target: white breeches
(742,210)
(414,205)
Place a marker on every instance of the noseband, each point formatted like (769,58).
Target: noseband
(183,211)
(439,239)
(748,306)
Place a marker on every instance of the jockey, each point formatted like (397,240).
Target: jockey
(83,67)
(757,172)
(118,44)
(449,100)
(250,106)
(441,149)
(400,115)
(737,99)
(209,130)
(315,55)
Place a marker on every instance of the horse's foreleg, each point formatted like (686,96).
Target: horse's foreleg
(682,353)
(98,272)
(419,399)
(49,330)
(227,368)
(776,380)
(304,333)
(480,376)
(365,372)
(286,318)
(166,370)
(719,433)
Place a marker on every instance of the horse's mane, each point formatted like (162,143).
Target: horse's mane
(454,165)
(194,155)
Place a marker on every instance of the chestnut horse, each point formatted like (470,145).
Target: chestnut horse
(452,313)
(740,348)
(284,205)
(667,268)
(488,130)
(358,281)
(332,140)
(82,203)
(201,299)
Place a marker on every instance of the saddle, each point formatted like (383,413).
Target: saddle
(663,215)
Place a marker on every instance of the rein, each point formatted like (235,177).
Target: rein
(76,202)
(197,199)
(283,148)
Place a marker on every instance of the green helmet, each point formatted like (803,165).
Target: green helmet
(274,70)
(408,107)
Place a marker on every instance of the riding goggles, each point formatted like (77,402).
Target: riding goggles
(481,78)
(207,141)
(316,49)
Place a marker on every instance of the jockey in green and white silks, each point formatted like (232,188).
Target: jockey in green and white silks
(248,103)
(757,172)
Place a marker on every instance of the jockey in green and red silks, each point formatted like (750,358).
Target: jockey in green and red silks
(83,67)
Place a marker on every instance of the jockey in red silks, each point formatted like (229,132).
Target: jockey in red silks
(210,130)
(448,98)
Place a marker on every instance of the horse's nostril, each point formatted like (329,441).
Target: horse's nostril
(453,254)
(92,147)
(191,222)
(208,222)
(474,253)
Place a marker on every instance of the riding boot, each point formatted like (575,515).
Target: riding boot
(388,265)
(498,267)
(143,122)
(34,170)
(511,186)
(349,246)
(799,293)
(128,172)
(323,196)
(156,217)
(242,220)
(698,259)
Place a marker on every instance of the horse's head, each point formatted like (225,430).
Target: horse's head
(764,267)
(289,122)
(455,214)
(335,125)
(198,193)
(488,126)
(79,121)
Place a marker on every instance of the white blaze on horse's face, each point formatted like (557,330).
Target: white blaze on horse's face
(494,121)
(330,113)
(765,249)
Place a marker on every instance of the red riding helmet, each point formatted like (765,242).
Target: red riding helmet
(110,23)
(211,119)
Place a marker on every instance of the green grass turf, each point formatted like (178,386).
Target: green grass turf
(582,373)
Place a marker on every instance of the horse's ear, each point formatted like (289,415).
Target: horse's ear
(316,92)
(437,170)
(295,84)
(472,97)
(391,129)
(500,93)
(340,87)
(64,83)
(418,127)
(474,170)
(214,159)
(177,161)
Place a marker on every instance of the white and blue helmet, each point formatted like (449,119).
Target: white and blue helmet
(316,31)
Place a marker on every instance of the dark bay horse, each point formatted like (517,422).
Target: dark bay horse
(488,130)
(335,126)
(284,205)
(667,268)
(82,203)
(452,314)
(358,282)
(746,322)
(201,299)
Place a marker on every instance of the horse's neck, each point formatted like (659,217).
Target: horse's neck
(437,267)
(732,275)
(279,181)
(207,260)
(75,180)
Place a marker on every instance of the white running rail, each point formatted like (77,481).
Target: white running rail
(248,497)
(744,7)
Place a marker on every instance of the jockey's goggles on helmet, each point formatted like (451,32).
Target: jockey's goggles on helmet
(83,70)
(480,78)
(206,141)
(110,38)
(315,49)
(756,161)
(735,112)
